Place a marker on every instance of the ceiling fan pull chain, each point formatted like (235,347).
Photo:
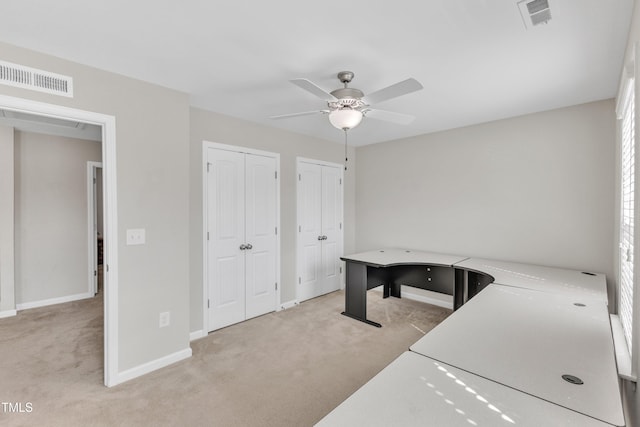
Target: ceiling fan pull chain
(346,159)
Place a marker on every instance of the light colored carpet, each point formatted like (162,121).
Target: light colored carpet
(289,368)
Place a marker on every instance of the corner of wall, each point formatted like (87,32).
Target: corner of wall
(7,280)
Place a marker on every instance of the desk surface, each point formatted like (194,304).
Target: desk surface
(527,340)
(418,391)
(545,279)
(389,257)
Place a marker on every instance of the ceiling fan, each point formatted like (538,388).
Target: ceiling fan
(347,106)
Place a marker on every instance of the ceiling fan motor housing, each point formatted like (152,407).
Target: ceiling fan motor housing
(347,97)
(347,92)
(346,101)
(345,76)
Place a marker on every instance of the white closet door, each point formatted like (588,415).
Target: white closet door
(260,234)
(331,213)
(310,231)
(226,268)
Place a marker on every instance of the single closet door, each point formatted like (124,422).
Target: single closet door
(242,236)
(320,232)
(331,243)
(226,262)
(309,231)
(260,235)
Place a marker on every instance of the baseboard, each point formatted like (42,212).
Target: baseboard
(421,298)
(154,365)
(8,313)
(196,335)
(52,301)
(288,304)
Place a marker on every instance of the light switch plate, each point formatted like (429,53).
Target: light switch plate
(136,236)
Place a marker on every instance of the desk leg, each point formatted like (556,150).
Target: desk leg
(459,288)
(395,290)
(391,290)
(356,293)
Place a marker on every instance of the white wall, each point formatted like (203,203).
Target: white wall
(536,189)
(51,253)
(226,130)
(152,137)
(7,290)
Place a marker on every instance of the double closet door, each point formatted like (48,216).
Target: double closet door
(241,225)
(320,230)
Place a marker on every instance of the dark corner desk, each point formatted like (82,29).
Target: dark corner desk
(392,268)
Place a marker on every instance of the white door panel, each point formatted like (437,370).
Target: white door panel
(331,227)
(309,260)
(260,232)
(228,305)
(310,229)
(309,284)
(311,182)
(226,266)
(331,199)
(261,295)
(260,196)
(329,254)
(226,272)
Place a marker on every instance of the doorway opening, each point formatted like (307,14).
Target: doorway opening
(106,125)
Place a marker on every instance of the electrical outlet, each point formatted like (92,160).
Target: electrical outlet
(136,236)
(165,319)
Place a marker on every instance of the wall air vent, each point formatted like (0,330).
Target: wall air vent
(34,79)
(534,12)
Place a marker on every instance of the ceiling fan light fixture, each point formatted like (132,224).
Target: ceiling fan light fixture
(345,118)
(347,106)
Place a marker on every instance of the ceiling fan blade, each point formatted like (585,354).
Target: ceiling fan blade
(304,113)
(390,116)
(401,88)
(311,87)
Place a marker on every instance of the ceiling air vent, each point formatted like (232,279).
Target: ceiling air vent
(34,79)
(534,12)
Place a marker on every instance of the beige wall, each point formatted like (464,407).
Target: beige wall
(51,253)
(536,189)
(225,130)
(7,290)
(152,137)
(631,395)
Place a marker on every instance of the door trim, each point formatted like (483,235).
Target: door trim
(91,232)
(300,160)
(108,124)
(205,269)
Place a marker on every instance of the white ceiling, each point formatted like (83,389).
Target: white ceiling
(475,58)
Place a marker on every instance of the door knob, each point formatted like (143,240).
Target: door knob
(249,246)
(243,247)
(319,237)
(324,237)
